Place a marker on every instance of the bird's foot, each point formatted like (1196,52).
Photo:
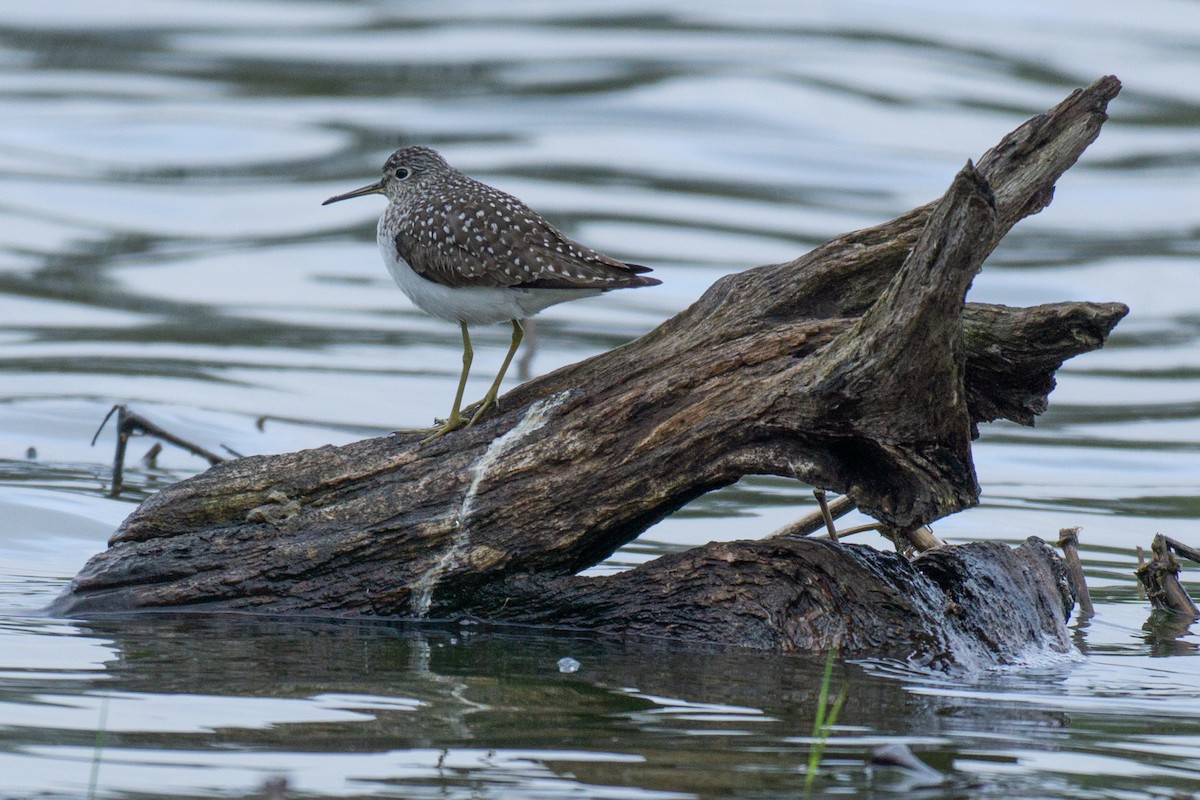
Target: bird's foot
(444,426)
(488,402)
(471,410)
(464,419)
(440,427)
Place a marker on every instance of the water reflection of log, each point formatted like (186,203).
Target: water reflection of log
(857,367)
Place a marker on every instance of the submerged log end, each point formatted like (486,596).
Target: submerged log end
(1160,578)
(801,595)
(1001,596)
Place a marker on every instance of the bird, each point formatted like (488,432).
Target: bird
(466,252)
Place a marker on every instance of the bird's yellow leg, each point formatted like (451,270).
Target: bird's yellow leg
(468,355)
(489,399)
(456,420)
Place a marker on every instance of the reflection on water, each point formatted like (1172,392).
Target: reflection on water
(420,707)
(162,166)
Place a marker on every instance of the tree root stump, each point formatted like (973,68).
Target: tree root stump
(857,368)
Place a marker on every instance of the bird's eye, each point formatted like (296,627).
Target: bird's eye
(402,173)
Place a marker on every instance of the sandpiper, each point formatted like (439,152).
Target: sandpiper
(468,253)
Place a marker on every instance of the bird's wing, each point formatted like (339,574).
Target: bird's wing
(497,241)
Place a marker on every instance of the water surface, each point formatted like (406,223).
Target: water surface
(162,165)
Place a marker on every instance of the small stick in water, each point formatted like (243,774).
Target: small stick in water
(130,423)
(1068,540)
(1141,557)
(150,460)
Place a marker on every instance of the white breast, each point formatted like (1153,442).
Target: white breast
(474,305)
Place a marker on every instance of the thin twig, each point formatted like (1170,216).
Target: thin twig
(1187,551)
(118,467)
(923,538)
(814,521)
(844,532)
(1068,540)
(150,460)
(825,515)
(1141,558)
(912,541)
(130,423)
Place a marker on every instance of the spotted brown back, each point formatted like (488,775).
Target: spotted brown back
(457,231)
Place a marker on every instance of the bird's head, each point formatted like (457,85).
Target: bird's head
(406,171)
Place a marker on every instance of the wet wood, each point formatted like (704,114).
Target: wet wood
(1185,550)
(857,368)
(911,541)
(1160,578)
(799,594)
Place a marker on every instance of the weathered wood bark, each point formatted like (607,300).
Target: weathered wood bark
(1160,578)
(795,594)
(857,368)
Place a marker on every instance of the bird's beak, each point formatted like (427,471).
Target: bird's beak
(374,188)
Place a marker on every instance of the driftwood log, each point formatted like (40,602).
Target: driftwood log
(857,368)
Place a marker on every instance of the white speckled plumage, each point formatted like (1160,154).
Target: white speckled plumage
(454,231)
